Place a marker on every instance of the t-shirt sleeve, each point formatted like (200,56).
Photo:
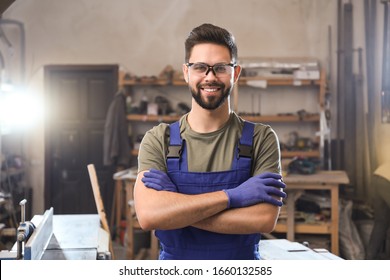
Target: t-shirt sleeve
(267,150)
(153,149)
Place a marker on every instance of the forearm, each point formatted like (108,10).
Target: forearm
(259,218)
(170,210)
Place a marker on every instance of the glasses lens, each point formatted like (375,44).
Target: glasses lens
(199,68)
(221,68)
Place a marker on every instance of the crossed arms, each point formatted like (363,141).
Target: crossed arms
(159,206)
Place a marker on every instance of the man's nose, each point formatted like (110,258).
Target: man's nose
(211,69)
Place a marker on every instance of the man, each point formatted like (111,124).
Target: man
(210,183)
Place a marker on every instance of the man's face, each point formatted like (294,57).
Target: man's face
(210,91)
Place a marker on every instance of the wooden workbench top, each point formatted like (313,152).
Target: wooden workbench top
(321,177)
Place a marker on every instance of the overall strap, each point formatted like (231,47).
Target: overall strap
(175,147)
(244,151)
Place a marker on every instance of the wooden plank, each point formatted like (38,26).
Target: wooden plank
(99,203)
(318,228)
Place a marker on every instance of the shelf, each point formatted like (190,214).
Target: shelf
(153,82)
(282,118)
(145,82)
(280,81)
(271,81)
(179,83)
(263,119)
(291,154)
(264,82)
(285,154)
(152,118)
(9,232)
(4,174)
(148,81)
(318,228)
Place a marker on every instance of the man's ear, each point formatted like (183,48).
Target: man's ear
(237,72)
(185,72)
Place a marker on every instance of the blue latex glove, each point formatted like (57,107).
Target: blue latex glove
(158,180)
(257,189)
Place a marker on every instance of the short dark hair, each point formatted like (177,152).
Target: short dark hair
(208,33)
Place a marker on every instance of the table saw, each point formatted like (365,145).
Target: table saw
(62,237)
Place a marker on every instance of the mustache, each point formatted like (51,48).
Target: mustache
(213,84)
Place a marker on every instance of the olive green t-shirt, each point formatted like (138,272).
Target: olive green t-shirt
(212,151)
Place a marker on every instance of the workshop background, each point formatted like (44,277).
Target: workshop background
(144,39)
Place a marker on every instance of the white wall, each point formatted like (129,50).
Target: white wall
(143,36)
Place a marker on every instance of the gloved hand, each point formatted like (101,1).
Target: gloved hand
(158,180)
(257,189)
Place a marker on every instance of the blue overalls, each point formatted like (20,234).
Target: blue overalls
(191,243)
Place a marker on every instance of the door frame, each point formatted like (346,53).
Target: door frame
(49,72)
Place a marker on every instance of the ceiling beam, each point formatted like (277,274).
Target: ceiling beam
(4,4)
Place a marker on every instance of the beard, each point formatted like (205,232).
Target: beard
(210,102)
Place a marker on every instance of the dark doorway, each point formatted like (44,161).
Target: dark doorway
(77,99)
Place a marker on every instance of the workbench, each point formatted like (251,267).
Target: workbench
(128,177)
(322,180)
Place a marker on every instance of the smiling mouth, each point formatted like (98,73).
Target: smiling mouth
(210,90)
